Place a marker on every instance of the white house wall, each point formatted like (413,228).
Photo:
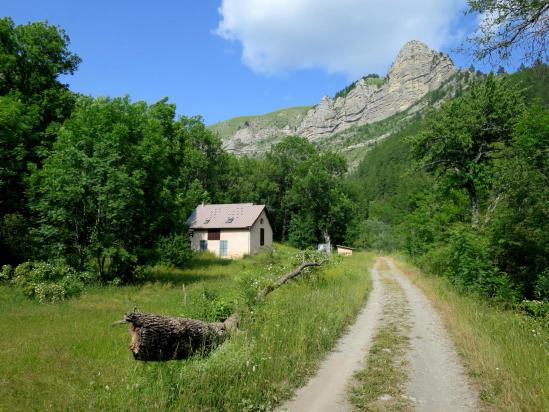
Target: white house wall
(255,233)
(238,242)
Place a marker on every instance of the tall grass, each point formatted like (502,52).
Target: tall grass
(67,357)
(505,352)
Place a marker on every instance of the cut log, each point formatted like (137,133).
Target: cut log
(162,338)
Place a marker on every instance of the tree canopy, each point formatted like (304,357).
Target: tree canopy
(509,25)
(33,102)
(460,141)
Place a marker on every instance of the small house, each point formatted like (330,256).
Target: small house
(230,230)
(344,250)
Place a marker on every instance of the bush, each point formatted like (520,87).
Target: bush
(535,308)
(174,250)
(541,289)
(436,260)
(50,282)
(470,267)
(6,273)
(215,308)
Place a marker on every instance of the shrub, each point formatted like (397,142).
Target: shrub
(215,307)
(535,308)
(6,273)
(542,286)
(174,250)
(436,260)
(49,281)
(470,267)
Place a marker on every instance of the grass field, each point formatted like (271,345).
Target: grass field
(505,352)
(66,356)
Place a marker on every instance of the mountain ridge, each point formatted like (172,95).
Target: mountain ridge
(416,71)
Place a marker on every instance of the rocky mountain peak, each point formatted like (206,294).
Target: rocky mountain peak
(416,71)
(417,59)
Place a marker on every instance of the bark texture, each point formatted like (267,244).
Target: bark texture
(162,338)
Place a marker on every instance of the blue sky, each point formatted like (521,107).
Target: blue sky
(226,58)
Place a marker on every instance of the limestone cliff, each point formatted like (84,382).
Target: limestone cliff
(416,71)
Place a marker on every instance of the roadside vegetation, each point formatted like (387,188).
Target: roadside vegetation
(504,351)
(65,356)
(463,191)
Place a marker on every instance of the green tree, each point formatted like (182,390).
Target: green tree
(32,104)
(519,228)
(461,140)
(121,179)
(506,25)
(318,200)
(283,162)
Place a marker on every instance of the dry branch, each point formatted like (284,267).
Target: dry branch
(161,338)
(283,279)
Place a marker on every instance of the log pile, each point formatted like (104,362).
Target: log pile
(162,338)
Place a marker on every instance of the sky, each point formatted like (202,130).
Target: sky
(226,58)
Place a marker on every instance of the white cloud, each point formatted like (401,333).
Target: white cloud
(353,37)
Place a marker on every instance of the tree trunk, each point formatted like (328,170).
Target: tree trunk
(471,189)
(162,338)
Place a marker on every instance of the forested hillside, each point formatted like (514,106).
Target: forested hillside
(464,190)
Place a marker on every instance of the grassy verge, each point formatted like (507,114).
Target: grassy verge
(380,386)
(67,357)
(506,353)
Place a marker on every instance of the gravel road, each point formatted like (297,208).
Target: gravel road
(437,379)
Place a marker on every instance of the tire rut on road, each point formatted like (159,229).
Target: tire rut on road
(436,378)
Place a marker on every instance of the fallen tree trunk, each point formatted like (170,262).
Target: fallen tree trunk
(162,338)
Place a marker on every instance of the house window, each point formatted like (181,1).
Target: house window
(214,234)
(261,221)
(223,248)
(203,245)
(261,237)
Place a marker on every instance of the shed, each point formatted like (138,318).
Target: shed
(344,250)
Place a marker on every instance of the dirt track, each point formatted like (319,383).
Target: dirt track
(437,380)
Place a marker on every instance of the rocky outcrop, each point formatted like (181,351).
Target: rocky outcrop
(416,71)
(246,139)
